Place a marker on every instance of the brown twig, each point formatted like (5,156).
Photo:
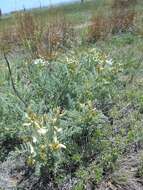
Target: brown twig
(12,81)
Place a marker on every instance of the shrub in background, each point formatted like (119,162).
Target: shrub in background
(121,20)
(138,23)
(123,4)
(123,15)
(99,29)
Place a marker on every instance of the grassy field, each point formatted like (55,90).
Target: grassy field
(76,13)
(48,13)
(71,105)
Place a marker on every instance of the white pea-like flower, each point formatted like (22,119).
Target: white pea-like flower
(109,62)
(42,131)
(34,139)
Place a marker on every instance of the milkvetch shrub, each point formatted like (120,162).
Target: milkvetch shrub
(73,124)
(71,86)
(65,123)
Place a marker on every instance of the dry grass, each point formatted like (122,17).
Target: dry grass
(43,40)
(56,37)
(26,25)
(8,38)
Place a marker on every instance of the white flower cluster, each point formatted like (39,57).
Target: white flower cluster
(40,61)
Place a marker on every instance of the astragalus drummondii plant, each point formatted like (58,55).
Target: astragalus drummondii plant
(66,121)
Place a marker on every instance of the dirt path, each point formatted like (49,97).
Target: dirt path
(124,178)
